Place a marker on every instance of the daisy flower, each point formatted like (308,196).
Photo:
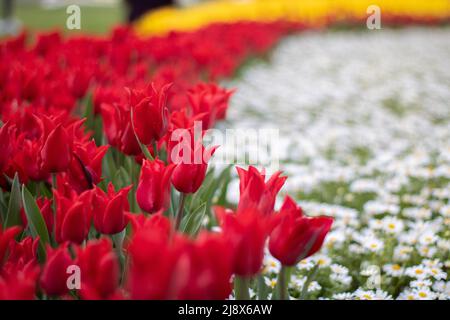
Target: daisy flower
(393,270)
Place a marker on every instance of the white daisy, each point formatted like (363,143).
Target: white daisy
(393,270)
(418,272)
(271,265)
(270,282)
(417,284)
(392,225)
(424,294)
(343,296)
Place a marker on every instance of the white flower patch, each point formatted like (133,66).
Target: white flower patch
(364,137)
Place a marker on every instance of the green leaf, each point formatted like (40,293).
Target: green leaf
(3,207)
(118,239)
(45,190)
(13,213)
(121,178)
(263,290)
(88,112)
(211,186)
(36,222)
(109,165)
(192,222)
(173,202)
(8,179)
(226,176)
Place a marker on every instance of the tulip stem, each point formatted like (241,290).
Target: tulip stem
(51,190)
(180,210)
(53,180)
(155,149)
(118,244)
(283,281)
(241,285)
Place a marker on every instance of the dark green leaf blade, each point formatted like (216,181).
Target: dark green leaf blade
(13,213)
(36,222)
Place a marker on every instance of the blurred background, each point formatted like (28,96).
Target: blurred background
(160,16)
(98,16)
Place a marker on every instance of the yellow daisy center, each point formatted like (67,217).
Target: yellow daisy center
(422,294)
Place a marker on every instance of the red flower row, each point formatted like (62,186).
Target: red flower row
(53,95)
(162,263)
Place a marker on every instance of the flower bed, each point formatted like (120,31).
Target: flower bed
(311,13)
(369,148)
(101,200)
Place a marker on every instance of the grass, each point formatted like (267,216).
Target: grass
(94,20)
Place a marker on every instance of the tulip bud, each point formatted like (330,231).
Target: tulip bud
(54,275)
(56,153)
(153,190)
(100,269)
(19,285)
(150,113)
(118,128)
(255,192)
(73,216)
(85,169)
(5,237)
(247,232)
(210,101)
(296,237)
(189,173)
(24,253)
(110,210)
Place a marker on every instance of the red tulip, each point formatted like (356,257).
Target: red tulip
(295,236)
(79,79)
(118,128)
(85,169)
(6,236)
(107,95)
(22,255)
(255,192)
(29,161)
(151,263)
(154,221)
(73,216)
(153,190)
(110,209)
(47,42)
(99,268)
(150,113)
(20,270)
(191,160)
(7,144)
(175,267)
(19,284)
(247,232)
(54,274)
(56,153)
(205,265)
(210,101)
